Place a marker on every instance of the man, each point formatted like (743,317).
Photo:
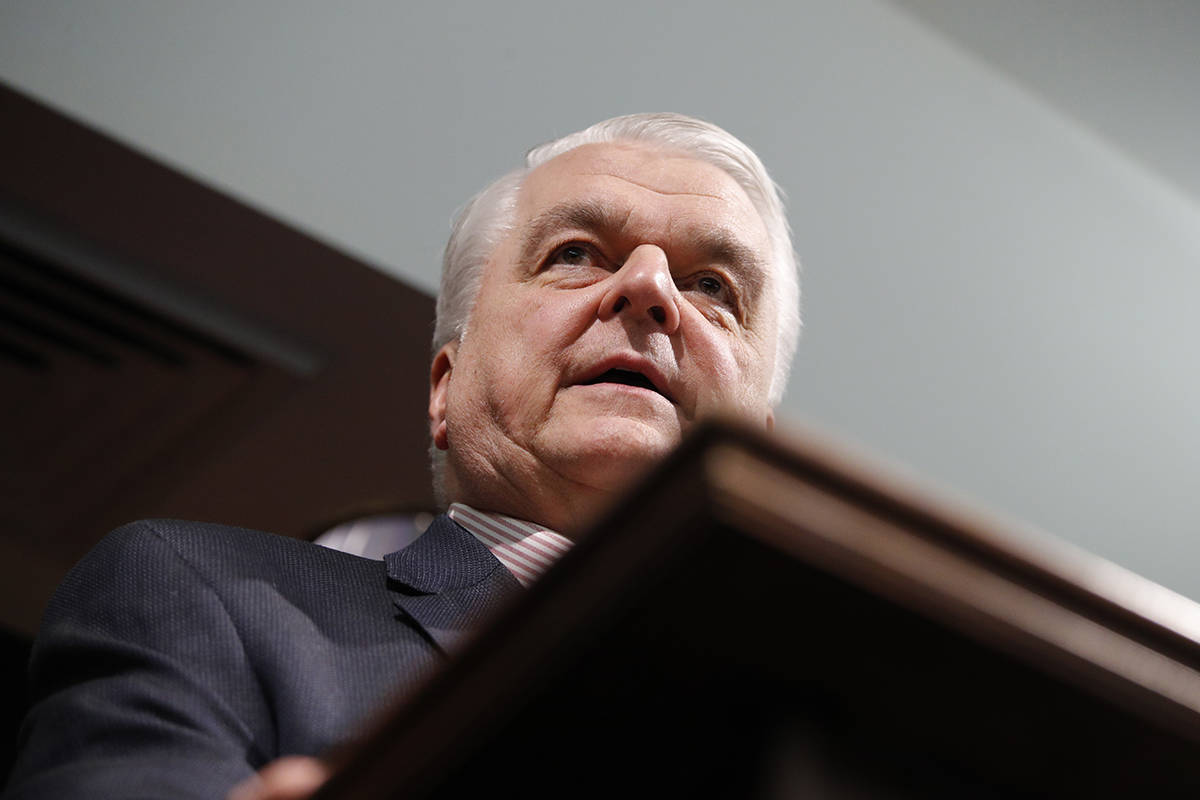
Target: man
(632,279)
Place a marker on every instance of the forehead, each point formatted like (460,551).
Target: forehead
(649,184)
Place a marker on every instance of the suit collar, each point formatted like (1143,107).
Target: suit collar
(448,583)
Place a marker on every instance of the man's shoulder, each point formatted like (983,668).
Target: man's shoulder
(145,579)
(209,542)
(186,531)
(168,557)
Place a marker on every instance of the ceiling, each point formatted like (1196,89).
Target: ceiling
(1129,71)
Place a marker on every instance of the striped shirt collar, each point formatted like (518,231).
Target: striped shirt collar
(525,548)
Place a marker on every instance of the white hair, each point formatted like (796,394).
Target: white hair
(490,215)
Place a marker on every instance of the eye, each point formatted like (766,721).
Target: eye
(714,294)
(713,286)
(575,254)
(710,285)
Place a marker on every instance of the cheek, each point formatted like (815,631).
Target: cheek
(520,351)
(515,329)
(564,312)
(728,371)
(546,326)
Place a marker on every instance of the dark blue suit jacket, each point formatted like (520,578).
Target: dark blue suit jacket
(179,657)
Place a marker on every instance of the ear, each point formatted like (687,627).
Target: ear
(439,388)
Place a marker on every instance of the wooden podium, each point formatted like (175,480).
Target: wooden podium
(773,619)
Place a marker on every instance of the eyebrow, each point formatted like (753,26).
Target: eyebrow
(588,215)
(714,243)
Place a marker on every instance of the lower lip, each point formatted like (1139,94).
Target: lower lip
(623,388)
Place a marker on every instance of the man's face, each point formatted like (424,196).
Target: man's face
(632,298)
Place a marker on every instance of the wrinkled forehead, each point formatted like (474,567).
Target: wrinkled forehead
(644,182)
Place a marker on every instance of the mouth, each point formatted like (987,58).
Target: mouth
(626,377)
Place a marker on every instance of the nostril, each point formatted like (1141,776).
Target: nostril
(620,304)
(659,314)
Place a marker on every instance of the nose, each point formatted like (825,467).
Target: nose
(643,289)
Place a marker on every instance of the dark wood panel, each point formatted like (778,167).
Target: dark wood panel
(169,351)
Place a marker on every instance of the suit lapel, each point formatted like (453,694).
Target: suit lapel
(447,582)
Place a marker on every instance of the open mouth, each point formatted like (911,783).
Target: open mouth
(626,377)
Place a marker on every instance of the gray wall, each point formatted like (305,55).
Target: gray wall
(998,289)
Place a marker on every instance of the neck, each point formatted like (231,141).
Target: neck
(563,506)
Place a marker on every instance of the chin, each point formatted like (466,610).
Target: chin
(609,453)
